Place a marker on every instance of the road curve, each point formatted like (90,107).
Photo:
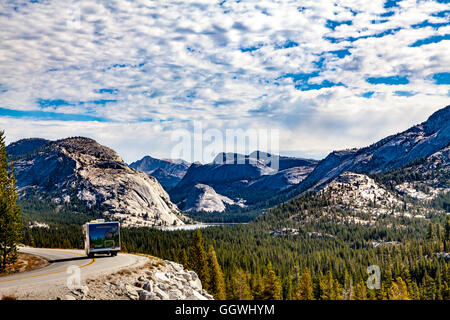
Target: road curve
(41,282)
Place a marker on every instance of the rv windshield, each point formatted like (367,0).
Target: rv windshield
(104,235)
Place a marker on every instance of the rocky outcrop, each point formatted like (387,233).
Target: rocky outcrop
(79,170)
(204,198)
(358,190)
(172,283)
(156,280)
(168,172)
(357,198)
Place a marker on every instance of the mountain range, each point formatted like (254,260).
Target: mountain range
(168,172)
(414,163)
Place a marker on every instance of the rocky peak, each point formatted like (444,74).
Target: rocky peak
(82,169)
(87,147)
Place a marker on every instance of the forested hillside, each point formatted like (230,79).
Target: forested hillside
(258,265)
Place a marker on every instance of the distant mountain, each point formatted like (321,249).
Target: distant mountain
(393,152)
(168,172)
(81,171)
(244,178)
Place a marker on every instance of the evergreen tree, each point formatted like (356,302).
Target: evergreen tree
(272,287)
(241,288)
(330,289)
(305,289)
(198,259)
(360,291)
(430,232)
(428,288)
(447,233)
(257,287)
(10,214)
(182,258)
(413,290)
(398,290)
(216,281)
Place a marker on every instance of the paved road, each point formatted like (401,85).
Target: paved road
(55,274)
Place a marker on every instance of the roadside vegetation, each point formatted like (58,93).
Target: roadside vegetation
(10,213)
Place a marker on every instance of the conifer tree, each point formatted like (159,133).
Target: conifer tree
(428,288)
(198,259)
(447,233)
(257,287)
(182,258)
(10,214)
(430,232)
(330,289)
(360,291)
(216,281)
(398,290)
(241,288)
(272,287)
(305,289)
(413,290)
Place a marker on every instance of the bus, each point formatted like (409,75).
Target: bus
(101,237)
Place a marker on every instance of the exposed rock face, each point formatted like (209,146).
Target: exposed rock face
(393,152)
(357,198)
(167,172)
(81,169)
(281,180)
(173,283)
(204,198)
(155,280)
(358,190)
(248,178)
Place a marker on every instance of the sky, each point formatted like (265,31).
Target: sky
(326,75)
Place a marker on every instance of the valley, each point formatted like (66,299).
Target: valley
(386,205)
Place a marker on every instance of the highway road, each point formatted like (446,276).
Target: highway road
(52,279)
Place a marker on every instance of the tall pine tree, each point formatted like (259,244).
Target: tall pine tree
(272,286)
(10,214)
(198,259)
(216,280)
(305,289)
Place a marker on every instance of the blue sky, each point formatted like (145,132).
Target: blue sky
(327,74)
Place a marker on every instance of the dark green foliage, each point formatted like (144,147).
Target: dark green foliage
(10,214)
(337,262)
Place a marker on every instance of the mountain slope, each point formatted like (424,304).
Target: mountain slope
(248,178)
(204,198)
(79,170)
(25,146)
(167,172)
(390,153)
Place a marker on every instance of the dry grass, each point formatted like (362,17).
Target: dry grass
(25,262)
(124,272)
(152,264)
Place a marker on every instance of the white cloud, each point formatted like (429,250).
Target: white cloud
(178,61)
